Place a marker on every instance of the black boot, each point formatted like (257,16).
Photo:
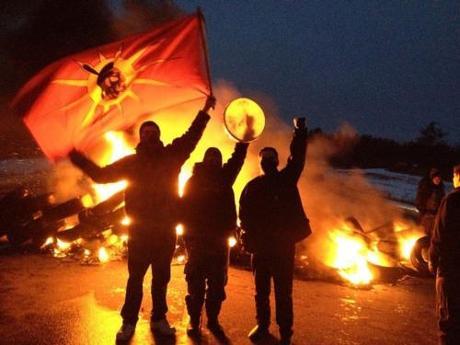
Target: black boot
(212,312)
(285,341)
(258,333)
(286,335)
(194,326)
(194,329)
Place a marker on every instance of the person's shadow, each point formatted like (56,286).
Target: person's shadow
(162,340)
(158,340)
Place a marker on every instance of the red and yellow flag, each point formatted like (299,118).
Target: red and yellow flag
(75,100)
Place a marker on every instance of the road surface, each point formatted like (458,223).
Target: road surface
(44,300)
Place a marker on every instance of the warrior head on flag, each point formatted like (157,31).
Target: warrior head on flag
(74,101)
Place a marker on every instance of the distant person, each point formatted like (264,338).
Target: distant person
(273,220)
(445,261)
(209,221)
(430,192)
(151,200)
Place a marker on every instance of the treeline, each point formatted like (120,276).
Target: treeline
(414,157)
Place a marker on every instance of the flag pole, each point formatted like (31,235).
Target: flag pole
(205,45)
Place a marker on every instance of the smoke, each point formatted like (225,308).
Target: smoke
(67,182)
(329,196)
(136,16)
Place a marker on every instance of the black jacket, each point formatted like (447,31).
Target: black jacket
(209,212)
(445,242)
(151,197)
(271,210)
(429,196)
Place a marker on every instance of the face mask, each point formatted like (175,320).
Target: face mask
(212,160)
(268,165)
(149,148)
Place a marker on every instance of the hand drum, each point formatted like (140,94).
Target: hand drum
(244,119)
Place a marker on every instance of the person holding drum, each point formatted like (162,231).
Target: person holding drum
(209,218)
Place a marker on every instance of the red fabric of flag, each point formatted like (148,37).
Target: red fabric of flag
(74,101)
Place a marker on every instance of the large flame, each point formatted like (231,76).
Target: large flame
(347,251)
(407,236)
(349,255)
(117,148)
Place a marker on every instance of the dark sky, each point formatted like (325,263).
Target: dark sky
(386,67)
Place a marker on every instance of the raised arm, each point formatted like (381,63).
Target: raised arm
(110,173)
(232,168)
(298,148)
(184,145)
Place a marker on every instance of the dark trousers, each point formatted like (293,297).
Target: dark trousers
(278,265)
(448,309)
(206,276)
(141,255)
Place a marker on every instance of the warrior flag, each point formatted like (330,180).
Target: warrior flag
(74,101)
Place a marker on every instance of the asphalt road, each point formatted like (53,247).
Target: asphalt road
(47,301)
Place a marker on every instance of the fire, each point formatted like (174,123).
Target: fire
(179,229)
(62,245)
(117,148)
(126,221)
(49,241)
(103,255)
(350,257)
(406,238)
(87,200)
(105,191)
(232,241)
(183,178)
(181,259)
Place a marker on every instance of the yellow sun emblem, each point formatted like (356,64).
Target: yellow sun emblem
(109,83)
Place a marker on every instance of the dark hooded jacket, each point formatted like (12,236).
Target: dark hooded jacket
(429,195)
(445,242)
(208,203)
(271,211)
(151,197)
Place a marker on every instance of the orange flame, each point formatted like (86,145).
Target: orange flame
(232,241)
(349,255)
(103,255)
(407,236)
(179,229)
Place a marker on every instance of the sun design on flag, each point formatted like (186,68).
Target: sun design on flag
(109,84)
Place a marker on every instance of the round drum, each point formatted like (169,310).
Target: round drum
(244,119)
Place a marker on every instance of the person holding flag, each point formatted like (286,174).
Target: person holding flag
(73,102)
(151,200)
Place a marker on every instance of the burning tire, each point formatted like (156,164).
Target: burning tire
(419,256)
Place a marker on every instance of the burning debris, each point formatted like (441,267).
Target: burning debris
(98,234)
(372,246)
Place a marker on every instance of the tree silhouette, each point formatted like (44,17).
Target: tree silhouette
(431,135)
